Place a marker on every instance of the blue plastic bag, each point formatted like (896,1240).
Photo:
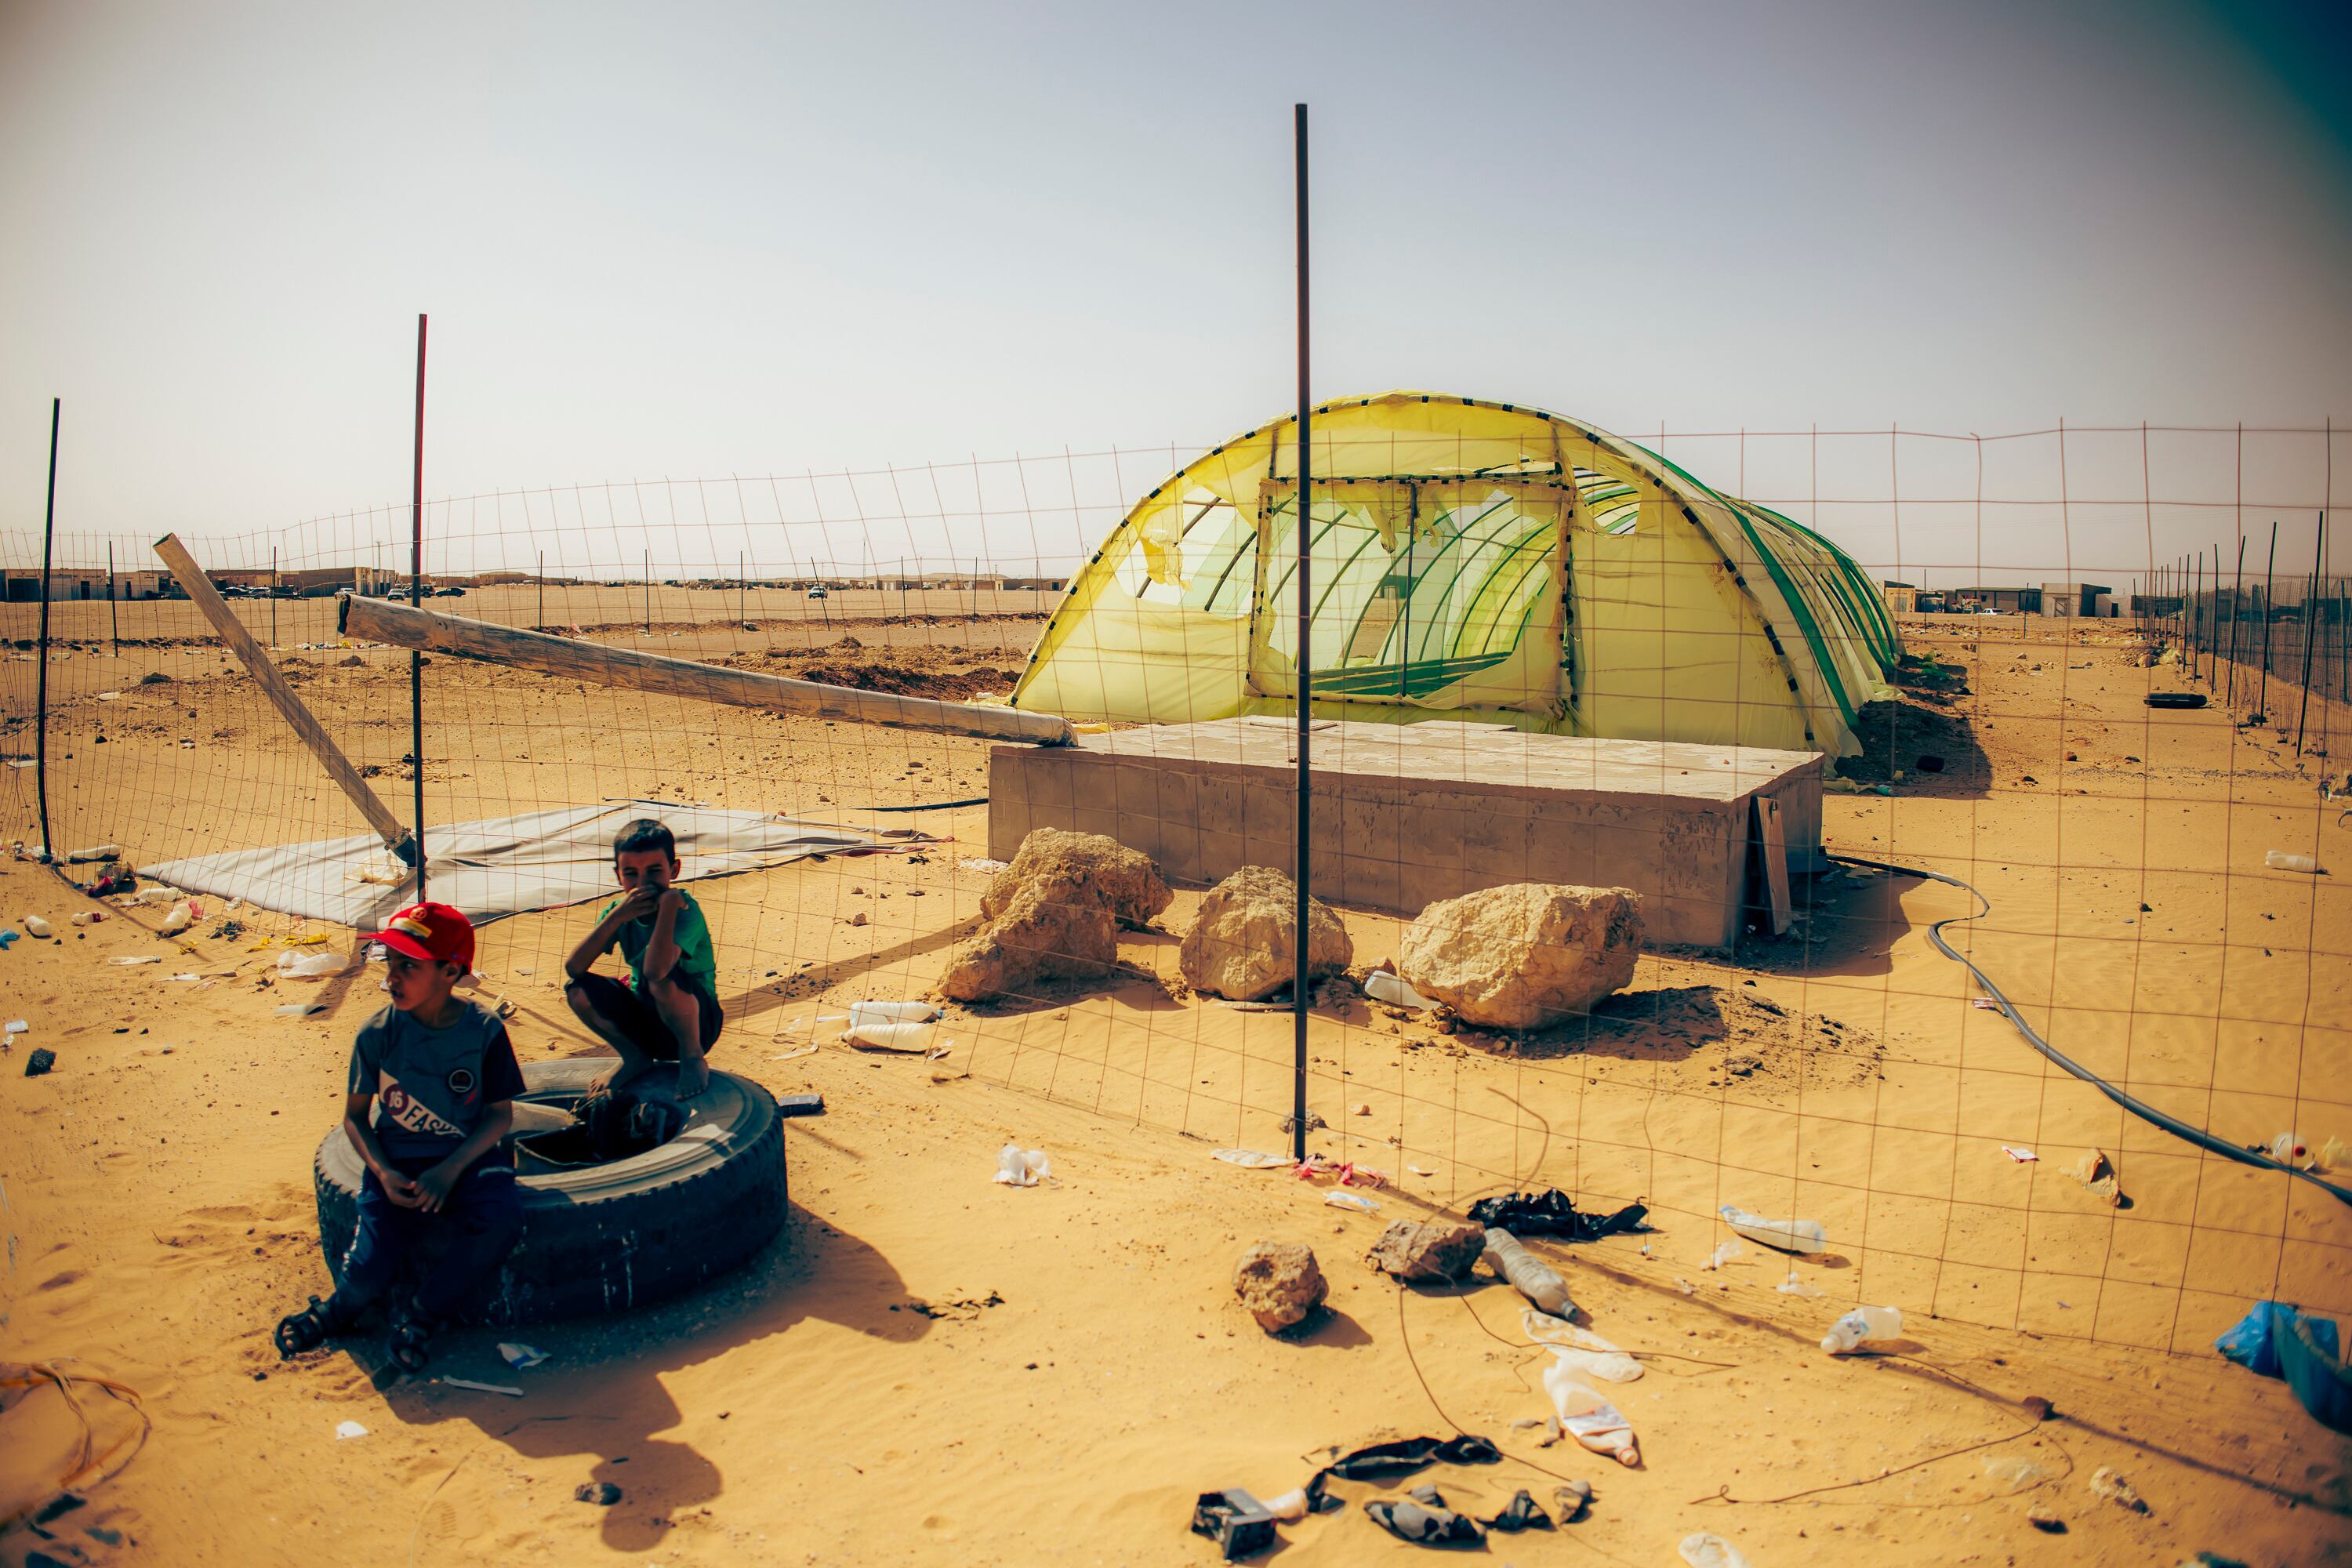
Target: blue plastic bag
(2276,1341)
(2253,1342)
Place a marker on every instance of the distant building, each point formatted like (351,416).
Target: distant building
(1902,598)
(2007,600)
(2078,599)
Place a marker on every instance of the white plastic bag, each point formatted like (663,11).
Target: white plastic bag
(1016,1167)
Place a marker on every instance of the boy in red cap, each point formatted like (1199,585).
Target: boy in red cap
(440,1076)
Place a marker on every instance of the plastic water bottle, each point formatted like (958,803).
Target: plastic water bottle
(2280,860)
(1588,1417)
(891,1013)
(1863,1323)
(1533,1277)
(36,925)
(310,965)
(1786,1235)
(183,915)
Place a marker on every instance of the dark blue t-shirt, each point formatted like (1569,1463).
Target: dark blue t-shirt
(432,1085)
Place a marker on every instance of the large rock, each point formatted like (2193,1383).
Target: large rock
(1054,928)
(1125,878)
(1526,955)
(1242,946)
(1440,1249)
(1280,1283)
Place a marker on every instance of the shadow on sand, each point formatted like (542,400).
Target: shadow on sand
(608,1399)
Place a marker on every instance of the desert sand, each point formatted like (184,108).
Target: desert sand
(927,1367)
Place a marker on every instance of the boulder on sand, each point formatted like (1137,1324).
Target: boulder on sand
(1124,876)
(1440,1249)
(1053,915)
(1241,945)
(1526,955)
(1280,1283)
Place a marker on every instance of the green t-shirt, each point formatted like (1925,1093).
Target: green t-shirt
(697,962)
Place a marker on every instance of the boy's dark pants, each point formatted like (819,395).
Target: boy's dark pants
(482,1219)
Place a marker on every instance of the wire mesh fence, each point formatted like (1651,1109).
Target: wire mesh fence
(1841,1070)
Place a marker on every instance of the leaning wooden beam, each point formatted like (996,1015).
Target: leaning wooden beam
(306,724)
(381,620)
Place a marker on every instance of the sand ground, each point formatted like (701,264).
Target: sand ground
(1079,1371)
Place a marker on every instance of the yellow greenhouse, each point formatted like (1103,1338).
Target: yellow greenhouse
(1470,561)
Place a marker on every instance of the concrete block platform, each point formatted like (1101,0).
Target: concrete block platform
(1408,813)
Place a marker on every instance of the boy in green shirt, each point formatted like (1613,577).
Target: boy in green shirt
(668,1011)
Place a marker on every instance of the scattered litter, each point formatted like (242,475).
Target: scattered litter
(1587,1417)
(1321,1168)
(7,939)
(18,1026)
(891,1025)
(1252,1158)
(1554,1212)
(311,965)
(1015,1168)
(1806,1235)
(2013,1474)
(2289,1149)
(1862,1325)
(1419,1170)
(1423,1517)
(1704,1549)
(1573,1499)
(1360,1109)
(480,1387)
(2280,860)
(1722,1255)
(1685,1286)
(188,979)
(135,957)
(1381,985)
(1794,1285)
(182,915)
(603,1494)
(1356,1201)
(39,1062)
(157,895)
(88,918)
(800,1104)
(1984,1004)
(1240,1524)
(2021,1155)
(798,1051)
(2045,1520)
(1580,1349)
(2098,1177)
(1527,1274)
(292,1009)
(523,1358)
(2108,1482)
(350,1429)
(34,925)
(980,864)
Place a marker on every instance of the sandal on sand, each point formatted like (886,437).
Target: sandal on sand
(1425,1521)
(410,1343)
(1521,1512)
(307,1330)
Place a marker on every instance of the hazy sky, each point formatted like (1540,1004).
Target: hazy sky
(735,238)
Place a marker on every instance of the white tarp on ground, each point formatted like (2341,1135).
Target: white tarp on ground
(508,866)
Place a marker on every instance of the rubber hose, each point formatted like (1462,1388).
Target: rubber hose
(2132,1103)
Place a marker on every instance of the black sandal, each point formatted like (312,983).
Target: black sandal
(307,1330)
(410,1343)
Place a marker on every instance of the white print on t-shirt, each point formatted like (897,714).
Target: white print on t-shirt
(407,1111)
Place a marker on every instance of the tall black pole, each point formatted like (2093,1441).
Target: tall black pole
(41,700)
(113,606)
(2310,600)
(2237,620)
(2262,694)
(1306,677)
(416,596)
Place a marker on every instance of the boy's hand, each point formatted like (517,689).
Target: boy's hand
(400,1189)
(693,1075)
(434,1187)
(640,901)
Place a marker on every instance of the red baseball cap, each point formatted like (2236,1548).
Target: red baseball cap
(433,933)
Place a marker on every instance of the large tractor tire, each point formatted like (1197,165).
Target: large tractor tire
(603,1239)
